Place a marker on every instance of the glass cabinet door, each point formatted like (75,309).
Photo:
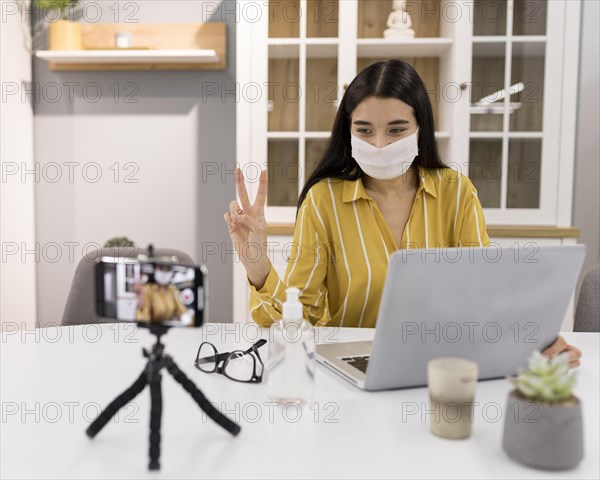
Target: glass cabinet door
(506,129)
(303,89)
(506,145)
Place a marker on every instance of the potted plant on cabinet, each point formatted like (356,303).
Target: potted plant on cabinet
(63,34)
(543,426)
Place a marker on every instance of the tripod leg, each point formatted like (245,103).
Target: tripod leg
(199,397)
(114,406)
(155,415)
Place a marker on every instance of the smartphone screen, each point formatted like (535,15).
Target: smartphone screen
(143,292)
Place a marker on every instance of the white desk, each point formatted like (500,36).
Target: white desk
(52,388)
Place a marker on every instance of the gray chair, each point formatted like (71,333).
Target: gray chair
(587,314)
(81,302)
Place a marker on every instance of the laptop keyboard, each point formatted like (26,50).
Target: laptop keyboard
(359,362)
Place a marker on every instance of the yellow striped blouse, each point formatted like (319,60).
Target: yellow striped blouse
(342,245)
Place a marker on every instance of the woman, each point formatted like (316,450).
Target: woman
(380,186)
(158,301)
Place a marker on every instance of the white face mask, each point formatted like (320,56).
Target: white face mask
(163,278)
(390,161)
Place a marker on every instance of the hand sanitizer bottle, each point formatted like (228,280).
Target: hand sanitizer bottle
(291,363)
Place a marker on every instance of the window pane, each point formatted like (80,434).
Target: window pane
(485,170)
(321,93)
(373,16)
(523,180)
(322,18)
(488,79)
(284,94)
(314,151)
(529,17)
(489,17)
(284,18)
(428,69)
(282,160)
(528,69)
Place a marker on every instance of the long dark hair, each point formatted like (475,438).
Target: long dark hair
(391,78)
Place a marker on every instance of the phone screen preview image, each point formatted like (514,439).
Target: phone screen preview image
(144,292)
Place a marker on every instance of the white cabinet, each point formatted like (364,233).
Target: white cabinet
(501,75)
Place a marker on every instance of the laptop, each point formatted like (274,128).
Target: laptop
(492,305)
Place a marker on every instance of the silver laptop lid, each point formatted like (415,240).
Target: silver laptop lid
(493,305)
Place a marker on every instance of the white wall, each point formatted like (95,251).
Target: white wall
(161,123)
(586,201)
(17,277)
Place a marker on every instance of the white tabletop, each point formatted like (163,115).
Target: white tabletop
(54,381)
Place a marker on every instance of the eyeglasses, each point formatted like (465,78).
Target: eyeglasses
(239,365)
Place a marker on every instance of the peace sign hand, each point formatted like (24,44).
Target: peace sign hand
(248,229)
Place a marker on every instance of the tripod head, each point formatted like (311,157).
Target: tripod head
(158,349)
(155,329)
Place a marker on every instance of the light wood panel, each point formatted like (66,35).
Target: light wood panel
(530,71)
(488,78)
(524,171)
(485,170)
(489,17)
(284,93)
(283,170)
(321,93)
(314,151)
(529,17)
(284,18)
(322,18)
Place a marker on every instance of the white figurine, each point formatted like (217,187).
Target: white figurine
(399,22)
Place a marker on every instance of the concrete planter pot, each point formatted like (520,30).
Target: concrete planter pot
(543,435)
(64,35)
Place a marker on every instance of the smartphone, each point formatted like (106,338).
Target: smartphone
(151,292)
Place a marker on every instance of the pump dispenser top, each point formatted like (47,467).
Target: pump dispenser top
(292,307)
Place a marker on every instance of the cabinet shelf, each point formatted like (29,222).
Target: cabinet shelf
(504,38)
(510,135)
(493,49)
(323,135)
(417,47)
(297,41)
(313,50)
(296,135)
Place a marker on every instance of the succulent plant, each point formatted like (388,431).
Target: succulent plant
(119,242)
(547,379)
(60,5)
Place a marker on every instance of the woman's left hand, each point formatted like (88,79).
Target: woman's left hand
(561,346)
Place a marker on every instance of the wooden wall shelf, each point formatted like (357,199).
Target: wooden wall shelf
(185,46)
(128,56)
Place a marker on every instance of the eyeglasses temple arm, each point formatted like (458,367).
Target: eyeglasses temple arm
(256,346)
(211,358)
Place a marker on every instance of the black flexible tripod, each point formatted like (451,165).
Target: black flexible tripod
(157,359)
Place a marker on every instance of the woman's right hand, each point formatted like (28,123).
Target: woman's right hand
(138,288)
(248,229)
